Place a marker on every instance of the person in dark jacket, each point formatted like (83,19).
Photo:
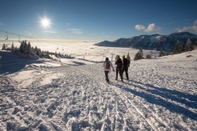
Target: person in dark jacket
(125,65)
(118,64)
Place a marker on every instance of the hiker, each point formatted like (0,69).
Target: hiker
(125,65)
(107,68)
(129,59)
(118,64)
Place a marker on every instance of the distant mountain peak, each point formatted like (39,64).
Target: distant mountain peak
(154,41)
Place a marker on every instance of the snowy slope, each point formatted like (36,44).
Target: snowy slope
(160,95)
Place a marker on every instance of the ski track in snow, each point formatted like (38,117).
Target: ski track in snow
(73,98)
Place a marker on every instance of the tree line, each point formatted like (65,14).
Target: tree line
(178,48)
(26,50)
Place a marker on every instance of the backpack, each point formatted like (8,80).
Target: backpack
(107,65)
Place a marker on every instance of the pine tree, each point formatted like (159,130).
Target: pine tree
(39,53)
(161,53)
(129,59)
(195,46)
(12,47)
(21,49)
(139,55)
(176,48)
(141,51)
(25,49)
(29,48)
(183,48)
(35,50)
(188,45)
(3,47)
(148,56)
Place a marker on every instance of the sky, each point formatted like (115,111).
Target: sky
(94,20)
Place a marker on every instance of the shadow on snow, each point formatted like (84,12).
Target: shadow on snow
(172,95)
(78,63)
(10,63)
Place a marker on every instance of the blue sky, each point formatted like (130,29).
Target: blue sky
(96,20)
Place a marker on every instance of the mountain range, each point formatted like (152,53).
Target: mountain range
(152,42)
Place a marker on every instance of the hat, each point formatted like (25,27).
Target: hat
(106,59)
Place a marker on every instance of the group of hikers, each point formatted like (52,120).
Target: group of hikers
(122,66)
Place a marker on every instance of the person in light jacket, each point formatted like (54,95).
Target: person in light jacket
(107,68)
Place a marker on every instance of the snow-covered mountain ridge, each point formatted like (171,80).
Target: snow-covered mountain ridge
(152,42)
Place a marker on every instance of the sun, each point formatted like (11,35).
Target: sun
(45,22)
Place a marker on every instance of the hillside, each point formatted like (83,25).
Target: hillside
(152,42)
(51,96)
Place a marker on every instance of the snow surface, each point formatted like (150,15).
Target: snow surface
(72,95)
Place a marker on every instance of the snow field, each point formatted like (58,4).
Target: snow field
(160,96)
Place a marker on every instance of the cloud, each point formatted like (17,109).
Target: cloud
(139,27)
(76,31)
(151,28)
(52,32)
(192,28)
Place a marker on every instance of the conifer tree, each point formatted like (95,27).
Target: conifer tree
(25,47)
(195,46)
(3,47)
(35,50)
(39,53)
(139,55)
(12,47)
(129,59)
(141,51)
(161,53)
(148,56)
(182,48)
(188,45)
(29,48)
(21,47)
(176,48)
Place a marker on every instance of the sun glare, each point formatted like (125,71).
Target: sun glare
(45,22)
